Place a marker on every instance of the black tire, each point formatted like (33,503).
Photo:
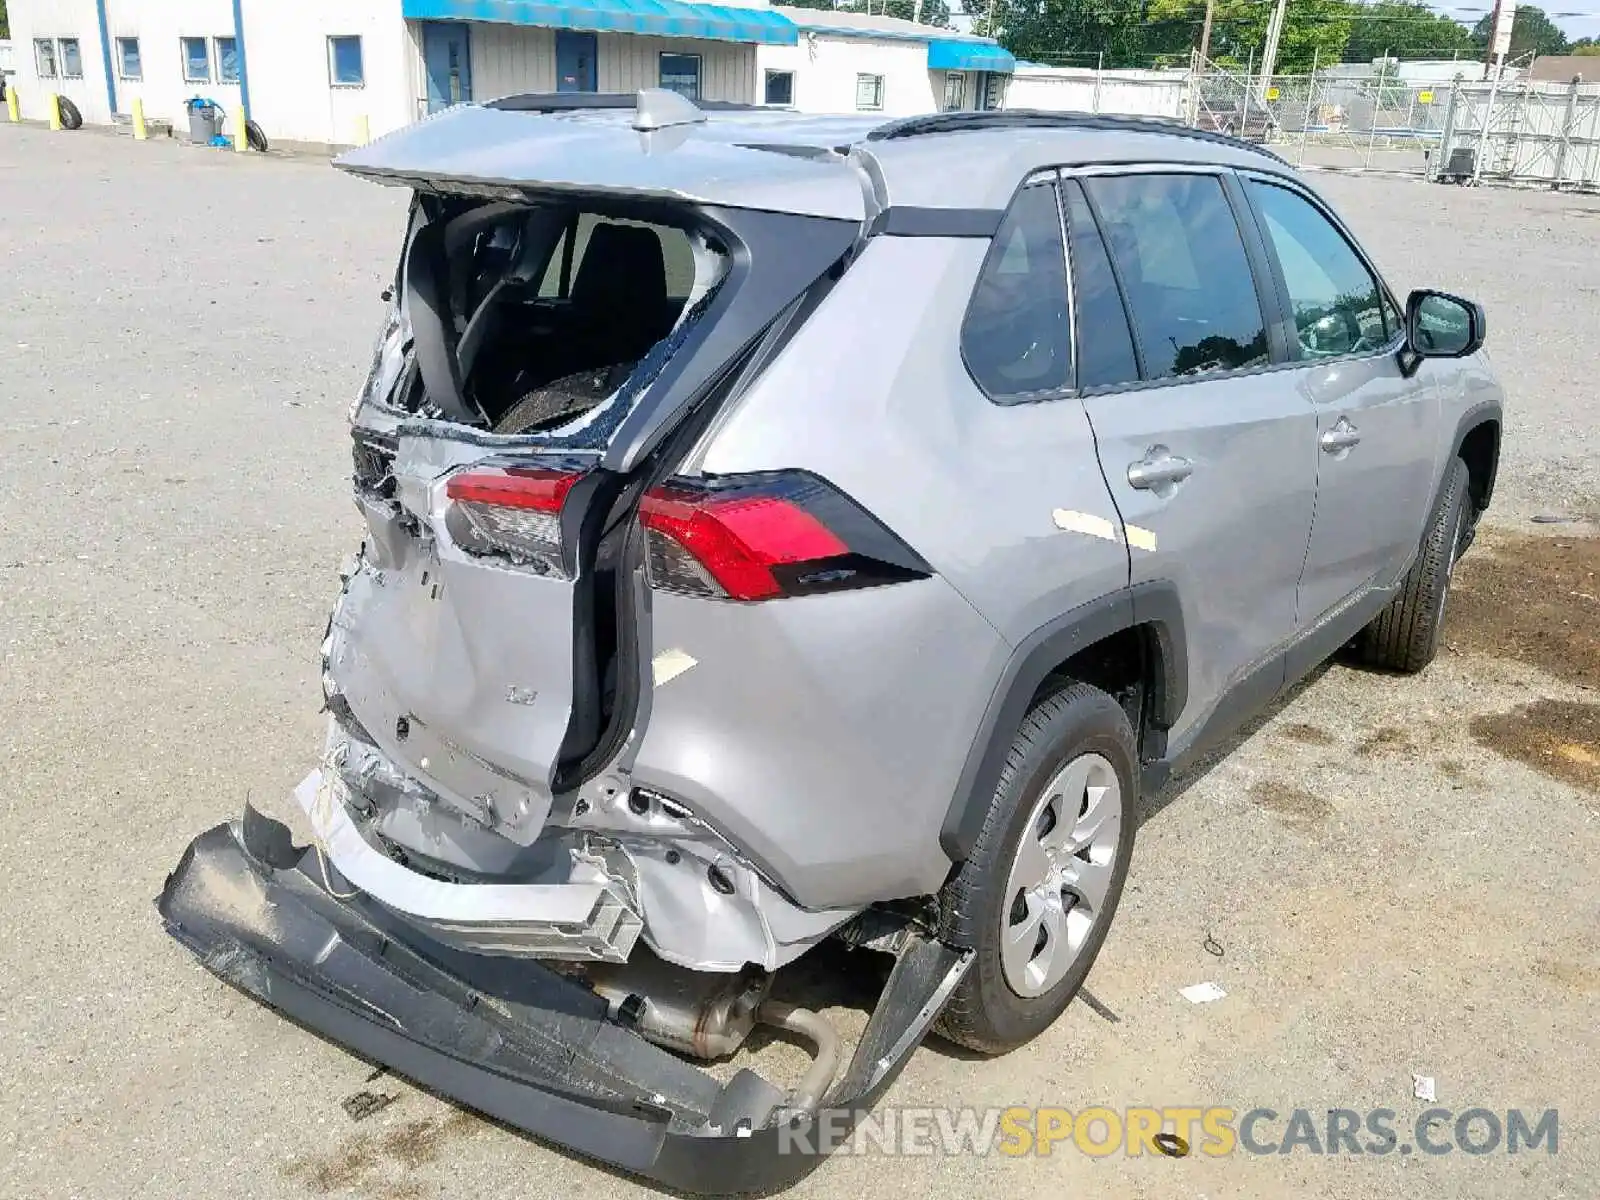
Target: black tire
(985,1013)
(254,138)
(1404,637)
(71,118)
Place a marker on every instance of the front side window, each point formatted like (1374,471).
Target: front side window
(1105,347)
(44,57)
(1016,337)
(196,63)
(128,58)
(869,92)
(345,65)
(681,73)
(71,59)
(780,88)
(1182,264)
(227,60)
(1336,302)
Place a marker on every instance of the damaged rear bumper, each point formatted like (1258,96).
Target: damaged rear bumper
(513,1038)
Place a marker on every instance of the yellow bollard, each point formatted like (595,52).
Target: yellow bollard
(55,111)
(241,137)
(140,129)
(363,131)
(13,105)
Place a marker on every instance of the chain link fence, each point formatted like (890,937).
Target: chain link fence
(1375,121)
(1461,131)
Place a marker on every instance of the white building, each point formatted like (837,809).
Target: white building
(321,71)
(852,62)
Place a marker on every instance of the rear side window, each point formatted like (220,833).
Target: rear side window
(1182,264)
(1105,347)
(1337,304)
(1017,337)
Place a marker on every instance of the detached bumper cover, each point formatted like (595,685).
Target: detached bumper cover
(512,1038)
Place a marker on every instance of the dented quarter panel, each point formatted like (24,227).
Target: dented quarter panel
(828,734)
(821,733)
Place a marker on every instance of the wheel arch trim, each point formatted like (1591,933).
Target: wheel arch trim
(1487,412)
(1153,605)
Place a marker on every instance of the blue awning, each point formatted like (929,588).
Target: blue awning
(660,18)
(953,54)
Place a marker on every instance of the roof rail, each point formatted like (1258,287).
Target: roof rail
(550,102)
(1023,118)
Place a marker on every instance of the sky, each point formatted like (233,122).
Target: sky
(1577,18)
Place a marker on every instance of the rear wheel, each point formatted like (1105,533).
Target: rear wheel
(1037,894)
(1405,636)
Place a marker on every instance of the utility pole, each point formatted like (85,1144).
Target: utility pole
(1205,34)
(1269,54)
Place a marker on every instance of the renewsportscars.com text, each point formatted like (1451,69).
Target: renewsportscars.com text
(1177,1132)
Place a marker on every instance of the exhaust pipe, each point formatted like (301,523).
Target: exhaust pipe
(820,1031)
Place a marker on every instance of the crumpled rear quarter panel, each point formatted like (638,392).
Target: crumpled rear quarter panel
(824,734)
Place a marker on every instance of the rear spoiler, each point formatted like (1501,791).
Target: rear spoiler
(668,150)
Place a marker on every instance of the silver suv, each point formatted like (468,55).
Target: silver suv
(808,537)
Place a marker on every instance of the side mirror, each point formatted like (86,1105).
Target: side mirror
(1439,325)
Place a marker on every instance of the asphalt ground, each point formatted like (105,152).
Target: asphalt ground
(1402,875)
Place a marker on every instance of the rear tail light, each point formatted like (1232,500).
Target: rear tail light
(761,537)
(513,511)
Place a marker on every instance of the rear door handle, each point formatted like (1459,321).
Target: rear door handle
(1157,469)
(1341,437)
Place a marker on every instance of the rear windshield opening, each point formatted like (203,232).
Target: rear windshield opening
(552,309)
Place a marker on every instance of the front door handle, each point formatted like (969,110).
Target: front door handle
(1158,469)
(1340,438)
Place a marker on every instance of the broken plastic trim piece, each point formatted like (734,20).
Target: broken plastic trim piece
(516,1040)
(586,919)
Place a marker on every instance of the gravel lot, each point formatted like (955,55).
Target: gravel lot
(181,335)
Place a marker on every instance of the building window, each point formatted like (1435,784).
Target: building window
(44,57)
(780,88)
(71,59)
(128,58)
(227,59)
(869,92)
(681,73)
(345,68)
(955,91)
(196,61)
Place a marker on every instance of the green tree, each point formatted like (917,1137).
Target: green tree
(934,12)
(1075,32)
(1533,32)
(1403,30)
(5,21)
(1585,46)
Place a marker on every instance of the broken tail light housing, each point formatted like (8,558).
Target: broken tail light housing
(761,537)
(513,511)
